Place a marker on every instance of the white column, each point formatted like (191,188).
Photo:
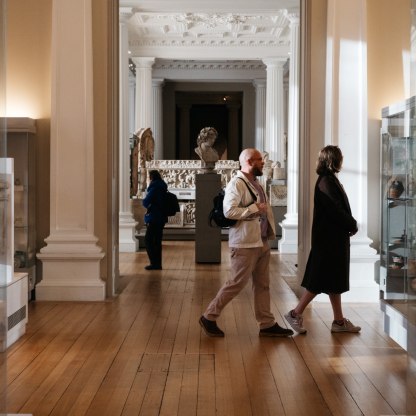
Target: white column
(346,124)
(127,225)
(144,96)
(157,125)
(289,240)
(132,104)
(260,88)
(71,258)
(274,143)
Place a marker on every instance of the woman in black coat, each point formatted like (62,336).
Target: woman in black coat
(327,269)
(155,219)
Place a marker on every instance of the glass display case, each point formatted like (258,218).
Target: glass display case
(398,216)
(21,147)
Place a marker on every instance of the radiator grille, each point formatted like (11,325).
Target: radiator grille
(16,317)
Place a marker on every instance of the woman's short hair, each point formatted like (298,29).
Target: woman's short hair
(154,175)
(329,159)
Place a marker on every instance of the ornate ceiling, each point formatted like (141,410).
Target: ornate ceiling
(214,30)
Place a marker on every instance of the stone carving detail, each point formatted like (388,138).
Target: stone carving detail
(278,195)
(185,218)
(180,178)
(180,174)
(189,213)
(143,151)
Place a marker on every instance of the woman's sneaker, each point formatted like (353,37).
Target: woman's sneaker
(296,322)
(346,326)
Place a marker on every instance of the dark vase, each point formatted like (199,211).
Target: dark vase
(396,189)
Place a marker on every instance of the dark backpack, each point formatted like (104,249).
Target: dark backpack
(216,216)
(171,204)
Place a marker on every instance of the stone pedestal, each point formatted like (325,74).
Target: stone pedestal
(207,238)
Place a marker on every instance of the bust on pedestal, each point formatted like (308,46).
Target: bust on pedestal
(205,150)
(208,184)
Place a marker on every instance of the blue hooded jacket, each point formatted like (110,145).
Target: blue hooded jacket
(154,202)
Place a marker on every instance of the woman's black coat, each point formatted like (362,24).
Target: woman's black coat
(327,269)
(154,202)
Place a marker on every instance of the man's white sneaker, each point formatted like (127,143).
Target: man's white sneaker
(296,323)
(347,326)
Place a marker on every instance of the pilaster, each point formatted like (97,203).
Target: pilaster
(274,143)
(157,125)
(289,241)
(144,96)
(127,225)
(260,88)
(71,258)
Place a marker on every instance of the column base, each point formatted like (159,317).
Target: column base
(127,242)
(71,277)
(289,242)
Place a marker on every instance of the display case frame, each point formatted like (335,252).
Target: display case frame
(21,146)
(398,219)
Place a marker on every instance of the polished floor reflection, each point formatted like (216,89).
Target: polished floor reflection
(143,353)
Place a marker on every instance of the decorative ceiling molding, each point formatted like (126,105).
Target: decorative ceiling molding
(208,26)
(214,30)
(208,65)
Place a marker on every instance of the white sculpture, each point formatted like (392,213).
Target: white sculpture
(205,149)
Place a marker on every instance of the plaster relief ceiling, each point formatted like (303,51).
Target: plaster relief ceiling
(203,29)
(209,30)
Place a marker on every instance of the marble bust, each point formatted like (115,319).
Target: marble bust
(205,142)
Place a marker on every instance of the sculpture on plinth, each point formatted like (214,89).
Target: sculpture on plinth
(205,149)
(143,151)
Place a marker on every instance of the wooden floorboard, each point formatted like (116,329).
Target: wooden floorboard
(143,352)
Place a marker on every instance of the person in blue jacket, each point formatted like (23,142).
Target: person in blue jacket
(155,219)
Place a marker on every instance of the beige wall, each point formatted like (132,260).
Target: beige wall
(28,72)
(388,35)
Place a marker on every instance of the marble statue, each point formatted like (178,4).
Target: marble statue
(205,149)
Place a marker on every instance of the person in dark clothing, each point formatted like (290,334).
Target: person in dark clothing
(155,219)
(327,268)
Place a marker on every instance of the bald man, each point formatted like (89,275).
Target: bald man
(246,202)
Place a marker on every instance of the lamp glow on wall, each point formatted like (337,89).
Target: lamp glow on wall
(22,107)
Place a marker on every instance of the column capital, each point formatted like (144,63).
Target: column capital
(259,83)
(158,82)
(277,61)
(143,62)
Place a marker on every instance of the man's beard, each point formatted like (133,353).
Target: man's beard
(257,172)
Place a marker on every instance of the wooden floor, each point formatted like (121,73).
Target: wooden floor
(143,353)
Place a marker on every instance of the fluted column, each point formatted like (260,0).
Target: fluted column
(71,257)
(274,143)
(260,88)
(157,125)
(144,96)
(289,240)
(132,104)
(127,224)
